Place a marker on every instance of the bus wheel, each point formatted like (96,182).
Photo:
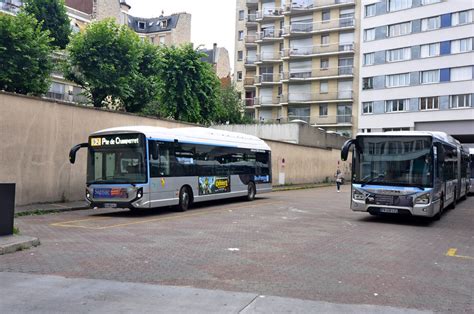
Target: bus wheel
(441,205)
(184,199)
(251,191)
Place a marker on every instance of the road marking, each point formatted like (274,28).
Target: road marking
(452,252)
(71,224)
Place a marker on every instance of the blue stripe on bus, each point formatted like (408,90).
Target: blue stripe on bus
(391,188)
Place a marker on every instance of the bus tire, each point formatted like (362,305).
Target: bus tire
(441,209)
(251,191)
(185,199)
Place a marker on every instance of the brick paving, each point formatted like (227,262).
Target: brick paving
(303,244)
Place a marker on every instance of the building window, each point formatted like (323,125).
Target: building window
(326,15)
(429,77)
(399,29)
(397,80)
(325,39)
(398,54)
(396,5)
(367,83)
(152,39)
(370,10)
(430,50)
(162,40)
(323,110)
(323,87)
(461,45)
(239,75)
(460,18)
(141,25)
(461,74)
(425,2)
(241,35)
(369,58)
(241,15)
(240,55)
(429,103)
(395,129)
(396,105)
(430,23)
(367,107)
(369,34)
(460,101)
(324,64)
(164,24)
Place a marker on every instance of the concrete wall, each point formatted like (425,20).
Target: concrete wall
(37,135)
(182,33)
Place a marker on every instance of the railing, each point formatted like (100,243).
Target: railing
(318,120)
(314,97)
(344,119)
(268,56)
(315,73)
(249,81)
(272,12)
(270,34)
(303,28)
(313,50)
(250,39)
(267,78)
(251,18)
(250,60)
(262,101)
(251,2)
(303,5)
(249,102)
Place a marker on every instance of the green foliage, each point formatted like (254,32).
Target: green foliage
(16,230)
(188,87)
(144,84)
(104,60)
(231,106)
(53,15)
(25,55)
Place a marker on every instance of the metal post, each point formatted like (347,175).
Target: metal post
(7,208)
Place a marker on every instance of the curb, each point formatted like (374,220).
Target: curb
(300,187)
(11,244)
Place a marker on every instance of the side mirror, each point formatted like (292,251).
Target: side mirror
(345,149)
(154,150)
(73,151)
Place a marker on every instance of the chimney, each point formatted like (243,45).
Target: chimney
(214,53)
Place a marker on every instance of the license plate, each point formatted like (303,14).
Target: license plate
(389,210)
(110,205)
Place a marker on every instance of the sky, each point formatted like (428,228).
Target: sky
(212,21)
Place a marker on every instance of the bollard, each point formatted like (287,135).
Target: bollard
(7,208)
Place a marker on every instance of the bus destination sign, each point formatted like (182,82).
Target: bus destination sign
(115,140)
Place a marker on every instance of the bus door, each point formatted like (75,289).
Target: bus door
(161,185)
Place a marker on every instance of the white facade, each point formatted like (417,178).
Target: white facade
(423,79)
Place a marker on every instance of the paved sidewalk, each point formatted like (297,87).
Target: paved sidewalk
(50,207)
(13,243)
(23,293)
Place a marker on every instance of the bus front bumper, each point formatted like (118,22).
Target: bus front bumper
(428,210)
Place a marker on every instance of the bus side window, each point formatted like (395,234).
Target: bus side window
(154,163)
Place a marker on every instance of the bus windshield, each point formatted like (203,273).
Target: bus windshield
(117,159)
(397,161)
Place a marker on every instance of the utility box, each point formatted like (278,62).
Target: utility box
(7,208)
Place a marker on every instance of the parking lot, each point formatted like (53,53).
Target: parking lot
(304,244)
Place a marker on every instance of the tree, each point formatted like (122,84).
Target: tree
(231,109)
(103,61)
(188,87)
(144,84)
(53,15)
(25,55)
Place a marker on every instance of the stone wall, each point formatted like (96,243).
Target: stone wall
(37,135)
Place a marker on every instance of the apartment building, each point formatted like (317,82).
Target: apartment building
(298,60)
(417,66)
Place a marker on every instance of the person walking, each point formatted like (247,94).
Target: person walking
(338,180)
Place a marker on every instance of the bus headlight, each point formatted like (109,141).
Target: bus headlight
(357,195)
(423,199)
(139,193)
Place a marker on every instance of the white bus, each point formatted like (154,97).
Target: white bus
(140,167)
(471,167)
(413,172)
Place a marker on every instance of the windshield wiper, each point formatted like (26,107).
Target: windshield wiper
(373,180)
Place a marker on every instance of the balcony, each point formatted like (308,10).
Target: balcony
(303,6)
(250,40)
(320,120)
(249,82)
(303,98)
(316,74)
(251,20)
(270,35)
(268,78)
(250,62)
(270,14)
(249,102)
(269,57)
(311,51)
(267,101)
(315,27)
(251,3)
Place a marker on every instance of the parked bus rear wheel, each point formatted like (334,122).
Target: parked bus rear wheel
(251,191)
(185,199)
